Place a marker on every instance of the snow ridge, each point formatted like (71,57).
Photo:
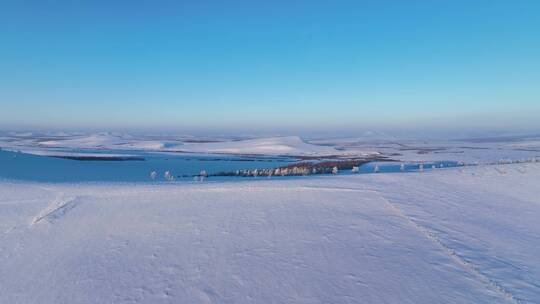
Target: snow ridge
(56,209)
(469,267)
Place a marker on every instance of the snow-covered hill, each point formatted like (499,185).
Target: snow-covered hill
(412,150)
(448,236)
(268,146)
(288,145)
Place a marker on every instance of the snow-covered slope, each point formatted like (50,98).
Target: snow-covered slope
(104,140)
(288,145)
(447,236)
(471,150)
(271,146)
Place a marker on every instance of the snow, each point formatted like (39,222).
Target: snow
(467,235)
(287,145)
(73,154)
(111,141)
(266,146)
(409,150)
(465,150)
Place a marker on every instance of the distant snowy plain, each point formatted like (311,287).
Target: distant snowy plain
(47,144)
(411,150)
(461,235)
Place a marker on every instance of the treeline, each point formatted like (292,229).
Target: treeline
(301,169)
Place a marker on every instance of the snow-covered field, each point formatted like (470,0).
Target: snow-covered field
(46,144)
(462,235)
(410,150)
(481,150)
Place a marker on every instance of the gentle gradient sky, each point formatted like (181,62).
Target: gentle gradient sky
(270,65)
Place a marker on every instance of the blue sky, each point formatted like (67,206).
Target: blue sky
(284,66)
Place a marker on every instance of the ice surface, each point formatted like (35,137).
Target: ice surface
(447,236)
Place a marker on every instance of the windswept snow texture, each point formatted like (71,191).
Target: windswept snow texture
(447,236)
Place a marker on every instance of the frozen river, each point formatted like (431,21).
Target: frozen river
(137,167)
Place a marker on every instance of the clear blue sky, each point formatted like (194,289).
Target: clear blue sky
(270,65)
